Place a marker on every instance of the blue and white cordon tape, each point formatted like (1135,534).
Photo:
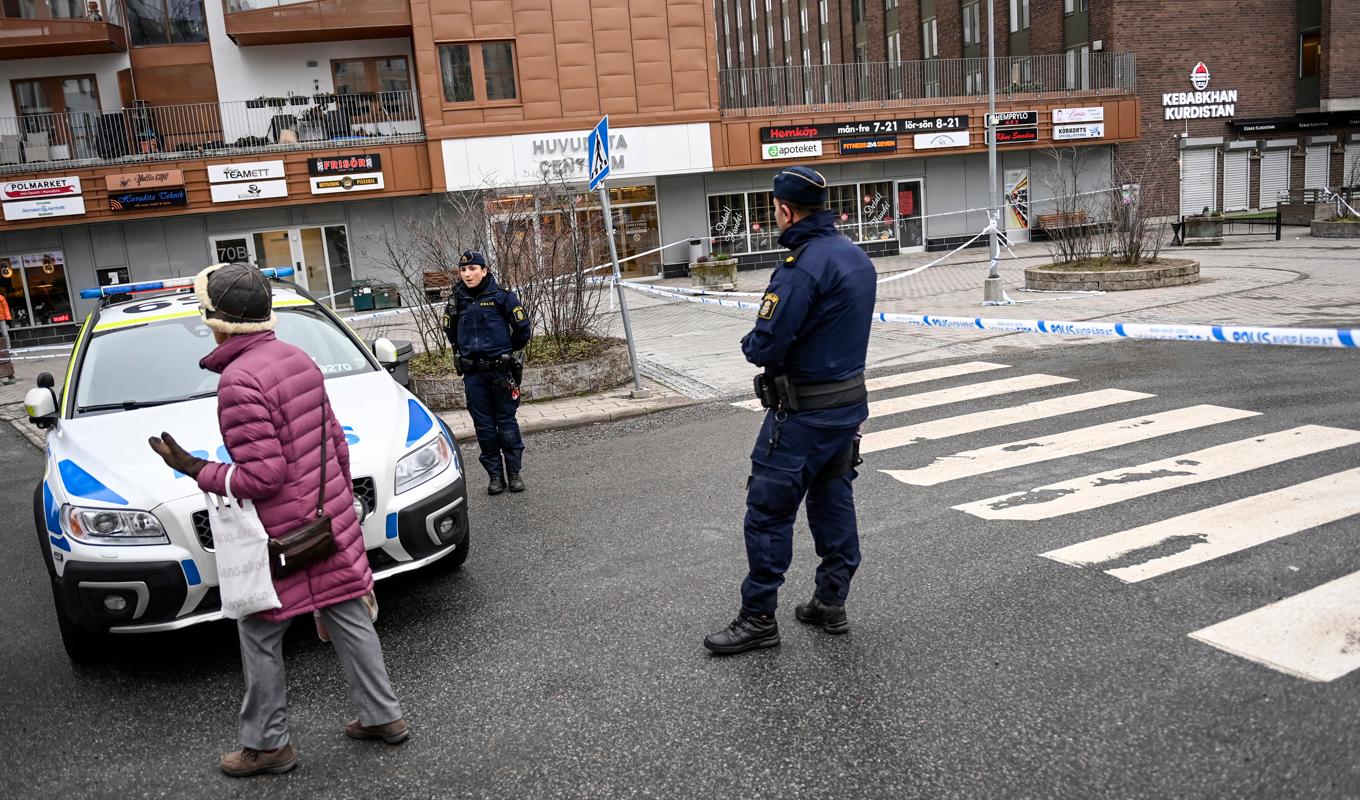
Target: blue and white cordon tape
(1228,334)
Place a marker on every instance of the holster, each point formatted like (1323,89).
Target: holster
(778,391)
(841,463)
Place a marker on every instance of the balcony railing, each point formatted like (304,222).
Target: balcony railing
(932,82)
(109,11)
(37,142)
(265,22)
(47,28)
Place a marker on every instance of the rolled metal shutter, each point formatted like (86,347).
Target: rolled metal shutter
(1236,178)
(1274,177)
(1317,163)
(1199,180)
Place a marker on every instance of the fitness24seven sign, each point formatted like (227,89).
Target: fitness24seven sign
(1200,104)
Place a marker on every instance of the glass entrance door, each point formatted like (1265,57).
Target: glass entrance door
(319,257)
(910,213)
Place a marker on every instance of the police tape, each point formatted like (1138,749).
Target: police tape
(1225,334)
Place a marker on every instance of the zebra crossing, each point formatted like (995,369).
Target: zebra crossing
(1314,635)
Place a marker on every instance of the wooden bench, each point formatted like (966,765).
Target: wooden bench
(1071,219)
(438,285)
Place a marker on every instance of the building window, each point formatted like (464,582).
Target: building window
(1310,54)
(155,22)
(972,25)
(821,11)
(1079,67)
(889,5)
(895,46)
(35,287)
(930,46)
(56,95)
(1019,15)
(1075,6)
(826,52)
(482,72)
(382,84)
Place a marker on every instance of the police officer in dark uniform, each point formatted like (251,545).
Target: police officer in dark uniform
(486,325)
(811,337)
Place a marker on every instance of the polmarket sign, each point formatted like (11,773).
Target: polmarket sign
(41,187)
(1201,103)
(779,150)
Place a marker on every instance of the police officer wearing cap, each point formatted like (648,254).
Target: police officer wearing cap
(811,337)
(486,325)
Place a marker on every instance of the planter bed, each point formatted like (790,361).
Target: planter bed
(607,370)
(1165,272)
(1327,229)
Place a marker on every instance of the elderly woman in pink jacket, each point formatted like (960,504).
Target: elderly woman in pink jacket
(272,411)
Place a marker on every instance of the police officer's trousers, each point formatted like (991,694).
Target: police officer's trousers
(781,476)
(493,416)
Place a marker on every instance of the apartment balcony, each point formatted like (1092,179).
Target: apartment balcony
(147,133)
(47,28)
(767,91)
(252,22)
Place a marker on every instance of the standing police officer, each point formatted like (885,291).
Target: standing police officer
(486,324)
(811,337)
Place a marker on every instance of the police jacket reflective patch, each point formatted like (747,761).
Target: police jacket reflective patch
(813,321)
(486,322)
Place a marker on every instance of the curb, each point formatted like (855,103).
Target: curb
(466,435)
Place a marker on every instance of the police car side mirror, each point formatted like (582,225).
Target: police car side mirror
(41,403)
(386,352)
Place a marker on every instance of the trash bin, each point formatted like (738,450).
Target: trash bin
(362,295)
(385,296)
(394,357)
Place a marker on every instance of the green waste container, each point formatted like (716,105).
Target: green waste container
(385,296)
(362,295)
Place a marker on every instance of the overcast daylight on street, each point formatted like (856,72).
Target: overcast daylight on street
(680,398)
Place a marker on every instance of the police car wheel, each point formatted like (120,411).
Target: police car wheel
(451,563)
(82,646)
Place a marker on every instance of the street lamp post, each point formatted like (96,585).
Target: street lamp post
(991,288)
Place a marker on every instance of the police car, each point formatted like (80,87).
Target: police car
(126,539)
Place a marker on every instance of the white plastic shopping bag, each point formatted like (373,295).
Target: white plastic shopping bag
(242,555)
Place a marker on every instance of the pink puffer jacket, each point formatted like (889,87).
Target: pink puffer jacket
(269,407)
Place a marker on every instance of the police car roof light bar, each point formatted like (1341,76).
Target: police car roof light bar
(161,285)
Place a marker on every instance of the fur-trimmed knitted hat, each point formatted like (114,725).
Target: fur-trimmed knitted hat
(236,298)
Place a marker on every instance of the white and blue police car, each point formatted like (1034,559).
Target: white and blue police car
(126,539)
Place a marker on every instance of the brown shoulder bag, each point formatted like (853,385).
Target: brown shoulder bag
(314,541)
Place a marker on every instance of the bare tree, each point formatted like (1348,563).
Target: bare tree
(1140,187)
(410,253)
(1074,236)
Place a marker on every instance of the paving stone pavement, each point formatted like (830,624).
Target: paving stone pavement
(691,352)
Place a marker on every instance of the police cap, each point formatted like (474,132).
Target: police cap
(472,257)
(801,186)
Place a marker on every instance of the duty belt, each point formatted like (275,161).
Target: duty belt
(478,364)
(779,392)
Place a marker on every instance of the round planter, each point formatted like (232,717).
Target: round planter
(1166,272)
(717,276)
(1323,229)
(606,371)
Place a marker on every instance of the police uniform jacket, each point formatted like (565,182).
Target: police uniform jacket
(814,318)
(486,322)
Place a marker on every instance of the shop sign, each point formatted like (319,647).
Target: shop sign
(1013,119)
(1199,104)
(253,171)
(1094,130)
(564,156)
(868,145)
(835,130)
(40,187)
(158,198)
(362,182)
(1016,135)
(344,165)
(934,141)
(255,190)
(1092,114)
(811,149)
(140,181)
(44,207)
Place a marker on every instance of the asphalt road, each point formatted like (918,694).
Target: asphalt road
(564,660)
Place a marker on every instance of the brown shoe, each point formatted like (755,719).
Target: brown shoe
(249,761)
(393,732)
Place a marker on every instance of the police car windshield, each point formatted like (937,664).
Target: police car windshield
(157,363)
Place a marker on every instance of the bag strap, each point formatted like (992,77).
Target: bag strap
(325,434)
(230,497)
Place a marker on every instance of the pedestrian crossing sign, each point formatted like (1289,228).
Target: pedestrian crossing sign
(599,152)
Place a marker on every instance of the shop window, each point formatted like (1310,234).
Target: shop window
(764,228)
(35,287)
(156,22)
(481,72)
(843,201)
(728,223)
(375,89)
(876,219)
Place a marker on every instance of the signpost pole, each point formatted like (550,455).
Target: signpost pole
(598,152)
(991,288)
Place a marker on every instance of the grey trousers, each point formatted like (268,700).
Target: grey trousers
(264,711)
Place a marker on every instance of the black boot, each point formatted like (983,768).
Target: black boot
(830,618)
(745,633)
(516,483)
(496,486)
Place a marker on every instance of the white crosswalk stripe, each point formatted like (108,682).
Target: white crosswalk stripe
(1126,483)
(909,378)
(1083,440)
(1211,533)
(1311,635)
(961,394)
(995,418)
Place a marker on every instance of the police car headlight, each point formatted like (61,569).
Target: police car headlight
(422,464)
(112,526)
